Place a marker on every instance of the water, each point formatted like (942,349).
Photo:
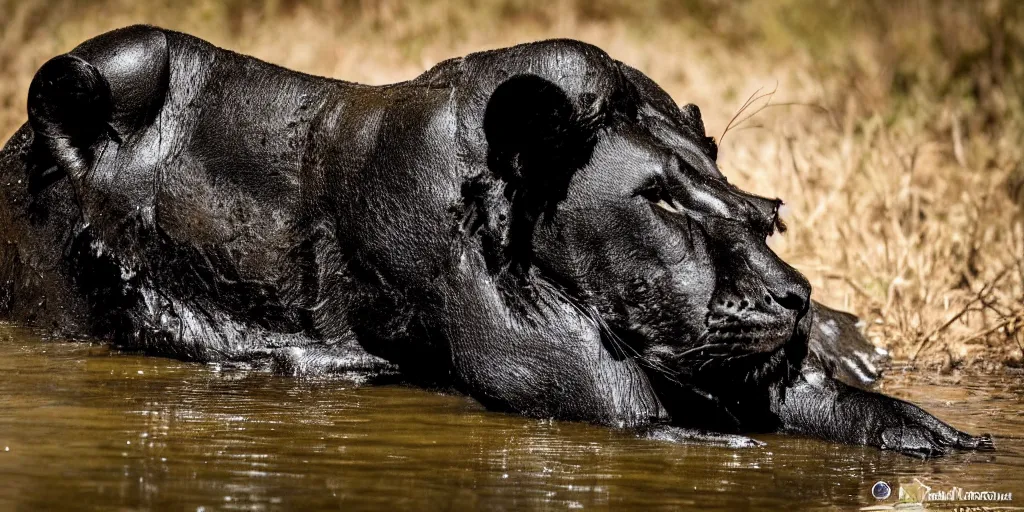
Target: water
(84,428)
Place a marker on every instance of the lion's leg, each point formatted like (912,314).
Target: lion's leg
(819,406)
(540,358)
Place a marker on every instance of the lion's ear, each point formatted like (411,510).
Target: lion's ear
(537,139)
(533,131)
(691,116)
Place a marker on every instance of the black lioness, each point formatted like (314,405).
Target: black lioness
(540,227)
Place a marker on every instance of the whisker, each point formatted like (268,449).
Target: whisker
(702,347)
(623,348)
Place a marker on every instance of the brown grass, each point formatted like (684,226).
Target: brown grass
(894,131)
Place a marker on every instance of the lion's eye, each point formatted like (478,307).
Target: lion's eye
(668,206)
(657,195)
(652,192)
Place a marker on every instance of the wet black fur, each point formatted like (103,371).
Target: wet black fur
(539,226)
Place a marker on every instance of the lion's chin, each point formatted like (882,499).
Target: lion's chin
(771,340)
(742,369)
(761,355)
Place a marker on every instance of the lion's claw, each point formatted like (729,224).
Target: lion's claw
(924,442)
(982,443)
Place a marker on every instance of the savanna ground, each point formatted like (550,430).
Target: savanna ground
(891,129)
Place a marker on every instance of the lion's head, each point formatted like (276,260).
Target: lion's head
(612,194)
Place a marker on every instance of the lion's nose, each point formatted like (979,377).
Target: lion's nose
(728,305)
(790,290)
(791,300)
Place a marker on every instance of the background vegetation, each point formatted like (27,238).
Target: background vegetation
(892,129)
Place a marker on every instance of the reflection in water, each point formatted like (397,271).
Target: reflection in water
(84,427)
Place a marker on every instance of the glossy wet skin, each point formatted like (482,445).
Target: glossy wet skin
(674,257)
(540,227)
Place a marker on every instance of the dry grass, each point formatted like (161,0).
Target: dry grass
(894,131)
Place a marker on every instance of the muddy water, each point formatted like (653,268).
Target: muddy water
(84,428)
